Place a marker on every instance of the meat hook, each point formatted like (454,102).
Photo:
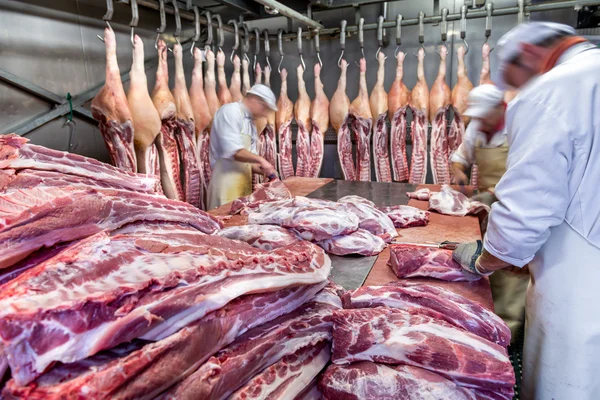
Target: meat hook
(135,17)
(71,125)
(220,35)
(318,47)
(444,27)
(489,7)
(280,46)
(398,34)
(379,36)
(163,22)
(361,36)
(177,21)
(256,47)
(196,29)
(236,38)
(463,27)
(267,47)
(300,48)
(421,32)
(188,5)
(107,17)
(246,43)
(342,40)
(209,31)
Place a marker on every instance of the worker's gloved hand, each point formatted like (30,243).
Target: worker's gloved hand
(266,168)
(486,198)
(466,254)
(459,174)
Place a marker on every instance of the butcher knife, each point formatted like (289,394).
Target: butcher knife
(447,245)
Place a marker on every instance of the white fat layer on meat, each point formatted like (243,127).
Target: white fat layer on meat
(327,297)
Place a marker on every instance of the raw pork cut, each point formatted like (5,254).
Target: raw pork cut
(439,100)
(419,105)
(283,124)
(354,199)
(452,307)
(304,122)
(373,220)
(421,194)
(311,391)
(35,258)
(263,193)
(360,242)
(410,261)
(362,122)
(111,109)
(406,216)
(16,153)
(394,336)
(398,100)
(143,370)
(104,291)
(260,348)
(451,202)
(340,121)
(265,237)
(370,381)
(43,216)
(288,377)
(379,110)
(319,114)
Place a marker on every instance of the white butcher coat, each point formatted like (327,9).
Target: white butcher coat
(549,212)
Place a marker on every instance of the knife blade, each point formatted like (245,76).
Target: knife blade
(446,244)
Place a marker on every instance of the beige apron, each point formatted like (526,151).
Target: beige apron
(231,179)
(508,289)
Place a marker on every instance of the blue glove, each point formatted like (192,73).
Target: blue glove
(466,254)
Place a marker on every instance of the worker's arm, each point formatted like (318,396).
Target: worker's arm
(259,164)
(464,156)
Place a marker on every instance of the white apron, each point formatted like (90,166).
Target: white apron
(562,334)
(230,179)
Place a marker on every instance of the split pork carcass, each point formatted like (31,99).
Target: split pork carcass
(439,100)
(111,109)
(398,103)
(261,122)
(210,84)
(484,75)
(246,77)
(202,121)
(283,123)
(362,121)
(303,120)
(460,94)
(340,121)
(319,114)
(224,94)
(185,133)
(419,104)
(379,109)
(269,142)
(235,87)
(146,120)
(166,143)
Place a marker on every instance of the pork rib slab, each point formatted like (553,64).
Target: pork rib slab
(104,291)
(394,336)
(17,153)
(260,348)
(142,370)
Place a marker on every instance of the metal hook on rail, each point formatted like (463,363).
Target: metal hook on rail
(444,27)
(421,32)
(196,29)
(489,7)
(280,47)
(188,5)
(318,47)
(398,34)
(236,38)
(300,48)
(361,36)
(256,47)
(107,17)
(177,21)
(209,31)
(163,22)
(246,42)
(135,17)
(342,40)
(379,36)
(463,27)
(267,47)
(521,13)
(220,35)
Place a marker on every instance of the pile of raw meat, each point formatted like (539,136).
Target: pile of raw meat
(449,201)
(112,291)
(352,225)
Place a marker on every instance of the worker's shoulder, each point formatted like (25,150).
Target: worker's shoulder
(230,110)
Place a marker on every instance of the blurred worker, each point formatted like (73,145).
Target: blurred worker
(548,213)
(485,144)
(233,138)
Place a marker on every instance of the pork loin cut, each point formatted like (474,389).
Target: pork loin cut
(406,216)
(265,237)
(370,381)
(452,307)
(260,348)
(104,291)
(394,336)
(143,370)
(410,261)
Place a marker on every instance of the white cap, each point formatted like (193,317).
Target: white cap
(482,99)
(510,44)
(265,93)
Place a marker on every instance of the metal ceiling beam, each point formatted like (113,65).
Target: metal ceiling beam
(335,4)
(288,12)
(243,5)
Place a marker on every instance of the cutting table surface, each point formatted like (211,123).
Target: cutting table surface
(351,271)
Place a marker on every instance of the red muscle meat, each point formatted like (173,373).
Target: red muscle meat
(406,216)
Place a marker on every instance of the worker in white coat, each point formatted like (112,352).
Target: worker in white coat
(485,143)
(548,212)
(233,138)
